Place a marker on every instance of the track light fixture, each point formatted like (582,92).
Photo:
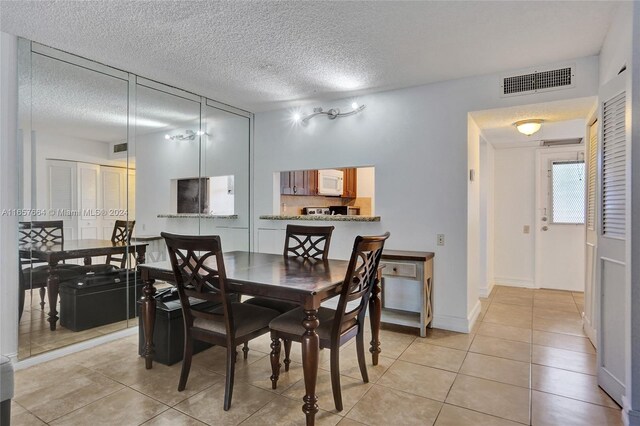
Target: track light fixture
(333,113)
(188,135)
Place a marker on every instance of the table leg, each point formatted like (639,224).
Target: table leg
(87,260)
(375,312)
(141,254)
(148,313)
(53,282)
(310,354)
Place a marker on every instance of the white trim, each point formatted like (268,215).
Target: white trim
(461,325)
(515,282)
(67,350)
(630,417)
(484,292)
(590,331)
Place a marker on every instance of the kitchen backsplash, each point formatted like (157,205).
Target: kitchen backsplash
(293,204)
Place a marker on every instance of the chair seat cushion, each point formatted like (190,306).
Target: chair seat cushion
(277,305)
(291,323)
(247,319)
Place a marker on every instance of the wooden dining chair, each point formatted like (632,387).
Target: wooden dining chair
(34,272)
(300,242)
(342,324)
(198,266)
(122,231)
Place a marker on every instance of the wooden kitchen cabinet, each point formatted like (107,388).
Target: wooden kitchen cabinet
(350,183)
(299,182)
(407,286)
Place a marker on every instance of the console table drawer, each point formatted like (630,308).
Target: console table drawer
(399,269)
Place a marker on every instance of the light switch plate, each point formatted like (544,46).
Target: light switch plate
(526,229)
(440,238)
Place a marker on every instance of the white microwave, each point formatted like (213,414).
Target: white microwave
(330,182)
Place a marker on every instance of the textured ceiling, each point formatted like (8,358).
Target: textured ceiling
(266,55)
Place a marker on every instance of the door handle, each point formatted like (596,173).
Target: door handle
(545,228)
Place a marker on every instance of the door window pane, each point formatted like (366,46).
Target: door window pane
(567,192)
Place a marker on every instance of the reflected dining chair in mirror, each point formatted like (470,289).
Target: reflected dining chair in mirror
(34,272)
(301,242)
(122,231)
(342,324)
(198,267)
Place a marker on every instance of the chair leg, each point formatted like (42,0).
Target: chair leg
(231,370)
(275,361)
(287,353)
(335,377)
(361,358)
(43,292)
(186,362)
(245,350)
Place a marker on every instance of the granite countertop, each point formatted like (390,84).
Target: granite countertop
(322,218)
(197,216)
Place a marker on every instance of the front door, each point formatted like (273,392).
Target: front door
(560,209)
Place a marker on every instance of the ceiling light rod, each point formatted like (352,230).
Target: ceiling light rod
(188,135)
(334,113)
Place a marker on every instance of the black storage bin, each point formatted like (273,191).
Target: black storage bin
(93,300)
(168,333)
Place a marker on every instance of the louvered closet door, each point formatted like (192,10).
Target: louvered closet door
(612,224)
(591,235)
(61,185)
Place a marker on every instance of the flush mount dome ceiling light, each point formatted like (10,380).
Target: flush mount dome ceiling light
(528,127)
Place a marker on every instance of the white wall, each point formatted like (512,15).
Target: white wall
(514,198)
(418,142)
(616,49)
(487,182)
(8,195)
(473,221)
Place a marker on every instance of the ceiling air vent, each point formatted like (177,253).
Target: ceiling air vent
(538,81)
(119,147)
(561,142)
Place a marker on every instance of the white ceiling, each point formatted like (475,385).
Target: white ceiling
(561,120)
(265,55)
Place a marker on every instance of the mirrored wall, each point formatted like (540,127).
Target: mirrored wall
(109,160)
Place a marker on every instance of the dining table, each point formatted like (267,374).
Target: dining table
(54,253)
(305,282)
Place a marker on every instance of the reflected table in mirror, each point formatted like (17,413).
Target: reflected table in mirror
(53,254)
(305,282)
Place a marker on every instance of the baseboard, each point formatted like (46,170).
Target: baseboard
(67,350)
(590,331)
(514,282)
(484,292)
(461,325)
(630,417)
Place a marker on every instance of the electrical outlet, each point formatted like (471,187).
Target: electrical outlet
(526,229)
(440,239)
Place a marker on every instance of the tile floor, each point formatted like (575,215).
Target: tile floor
(526,362)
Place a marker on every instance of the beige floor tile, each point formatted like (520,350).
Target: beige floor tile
(21,417)
(559,304)
(499,369)
(392,343)
(506,332)
(494,346)
(259,374)
(348,422)
(173,417)
(433,356)
(382,406)
(514,320)
(514,299)
(161,383)
(519,291)
(573,327)
(352,391)
(515,310)
(570,384)
(215,358)
(553,410)
(498,399)
(207,406)
(125,407)
(349,365)
(450,415)
(118,349)
(403,376)
(548,294)
(448,339)
(557,314)
(563,341)
(288,412)
(567,360)
(39,389)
